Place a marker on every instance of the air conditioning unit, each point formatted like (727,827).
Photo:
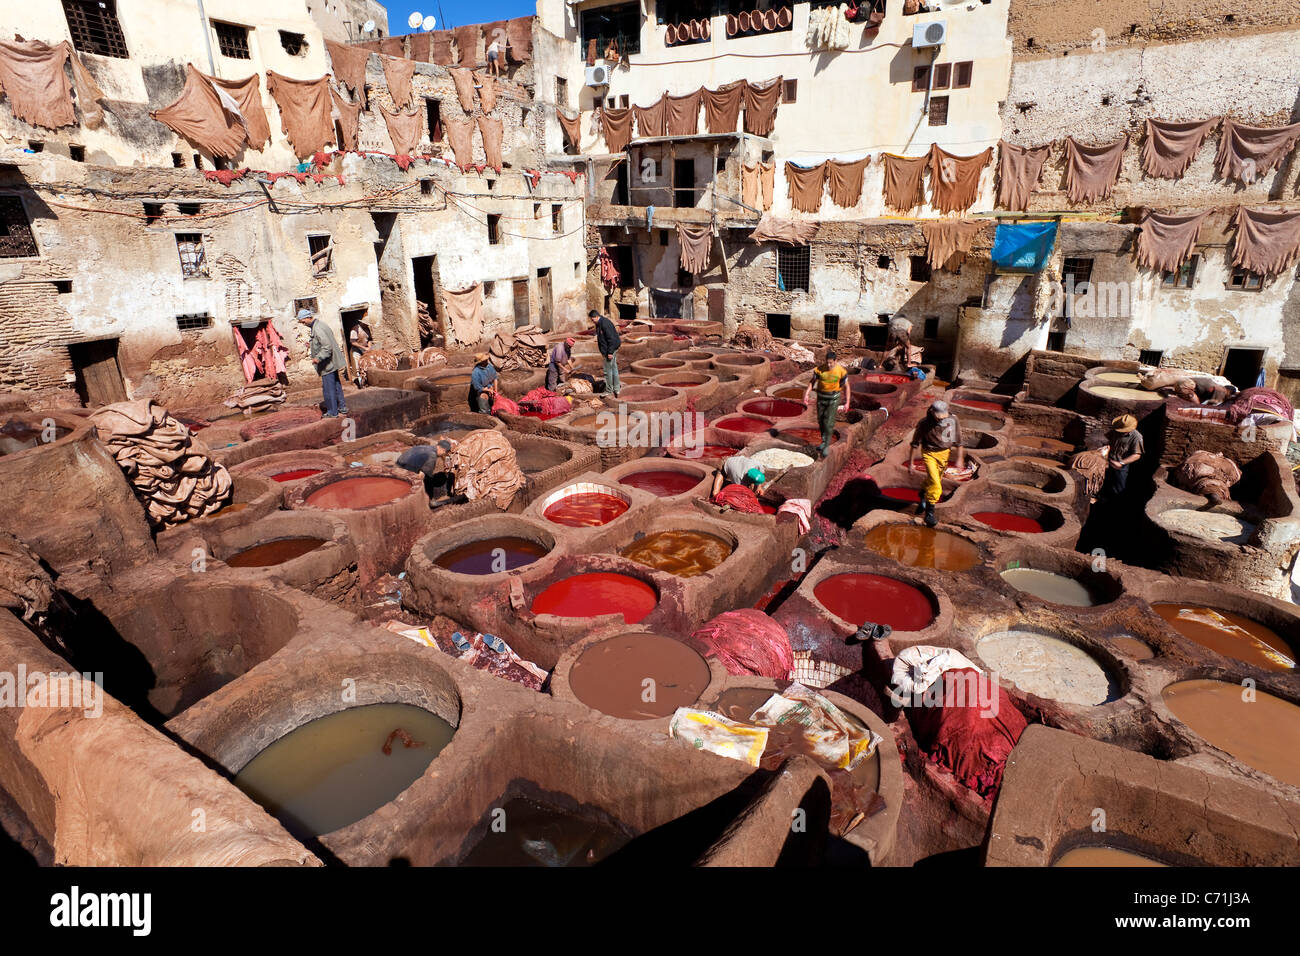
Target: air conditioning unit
(598,75)
(930,34)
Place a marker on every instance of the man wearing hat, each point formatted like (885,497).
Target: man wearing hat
(1126,447)
(329,361)
(738,470)
(482,384)
(560,363)
(608,342)
(832,396)
(936,435)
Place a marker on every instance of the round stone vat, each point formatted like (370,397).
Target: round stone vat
(775,408)
(1210,526)
(978,401)
(597,593)
(448,388)
(517,382)
(1013,515)
(657,366)
(662,477)
(697,385)
(309,550)
(1230,621)
(263,426)
(651,397)
(920,547)
(1104,400)
(806,435)
(743,424)
(168,648)
(1260,730)
(681,547)
(694,358)
(537,455)
(1028,476)
(697,327)
(1113,376)
(709,446)
(359,492)
(252,497)
(1043,444)
(1049,666)
(757,367)
(453,426)
(22,432)
(977,439)
(864,385)
(1057,576)
(585,505)
(609,675)
(792,392)
(290,468)
(858,597)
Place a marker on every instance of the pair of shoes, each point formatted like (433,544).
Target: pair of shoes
(871,632)
(494,643)
(327,415)
(343,411)
(459,641)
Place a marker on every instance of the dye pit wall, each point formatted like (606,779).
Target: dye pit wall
(328,571)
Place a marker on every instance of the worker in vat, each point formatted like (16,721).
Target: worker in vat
(559,364)
(739,470)
(832,390)
(329,361)
(1126,447)
(608,342)
(482,384)
(936,435)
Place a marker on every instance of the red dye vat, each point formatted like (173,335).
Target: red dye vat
(889,378)
(601,592)
(775,407)
(977,403)
(295,475)
(661,482)
(542,415)
(743,423)
(364,492)
(679,384)
(858,598)
(587,510)
(1007,522)
(718,451)
(807,436)
(901,494)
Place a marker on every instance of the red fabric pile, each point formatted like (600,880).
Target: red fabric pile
(546,403)
(1259,400)
(742,499)
(503,404)
(608,270)
(224,176)
(974,747)
(747,642)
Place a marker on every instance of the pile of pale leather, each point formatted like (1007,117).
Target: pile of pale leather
(257,397)
(526,348)
(26,588)
(170,471)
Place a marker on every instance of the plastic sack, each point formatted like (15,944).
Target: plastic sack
(819,728)
(705,730)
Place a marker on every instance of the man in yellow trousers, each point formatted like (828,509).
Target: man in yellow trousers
(936,435)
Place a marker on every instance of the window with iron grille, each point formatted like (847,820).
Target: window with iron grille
(831,326)
(322,254)
(94,27)
(1151,356)
(190,247)
(556,210)
(792,267)
(1076,272)
(938,111)
(193,322)
(942,76)
(1185,277)
(789,91)
(1246,281)
(961,74)
(920,78)
(16,239)
(232,40)
(620,24)
(295,44)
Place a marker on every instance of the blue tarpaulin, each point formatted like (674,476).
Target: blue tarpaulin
(1023,247)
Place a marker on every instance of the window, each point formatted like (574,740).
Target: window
(1076,273)
(1246,281)
(609,102)
(920,269)
(778,323)
(556,211)
(16,239)
(309,302)
(789,91)
(193,261)
(621,24)
(322,254)
(684,279)
(187,208)
(36,146)
(232,39)
(494,229)
(561,92)
(942,76)
(152,212)
(931,328)
(178,160)
(433,115)
(193,322)
(1185,277)
(1056,341)
(623,261)
(489,287)
(198,161)
(875,334)
(62,286)
(622,102)
(491,184)
(938,111)
(722,164)
(663,237)
(1151,356)
(294,44)
(831,326)
(77,153)
(792,267)
(577,270)
(426,187)
(961,74)
(883,262)
(920,78)
(94,27)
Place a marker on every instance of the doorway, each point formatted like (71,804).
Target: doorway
(683,183)
(433,113)
(352,319)
(544,299)
(717,305)
(523,314)
(428,287)
(1242,367)
(99,377)
(778,324)
(620,184)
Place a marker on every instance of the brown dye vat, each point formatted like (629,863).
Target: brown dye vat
(1262,731)
(490,556)
(796,394)
(534,459)
(610,676)
(20,436)
(1043,442)
(920,547)
(452,380)
(1229,634)
(740,703)
(272,553)
(233,508)
(356,493)
(1106,856)
(1132,647)
(683,553)
(1046,462)
(540,835)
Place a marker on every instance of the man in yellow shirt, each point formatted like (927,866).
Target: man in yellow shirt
(828,383)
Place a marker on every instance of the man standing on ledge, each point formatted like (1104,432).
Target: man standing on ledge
(832,396)
(608,341)
(1126,447)
(936,435)
(329,361)
(482,384)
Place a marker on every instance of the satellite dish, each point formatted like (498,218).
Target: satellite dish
(414,20)
(368,27)
(430,23)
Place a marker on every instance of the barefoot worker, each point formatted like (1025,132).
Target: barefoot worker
(936,435)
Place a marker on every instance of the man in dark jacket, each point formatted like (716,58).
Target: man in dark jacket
(936,435)
(329,361)
(608,341)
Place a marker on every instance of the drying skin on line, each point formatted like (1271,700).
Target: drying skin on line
(722,107)
(904,181)
(440,47)
(572,128)
(844,180)
(464,80)
(467,44)
(1166,240)
(949,238)
(767,173)
(460,133)
(349,115)
(198,115)
(248,95)
(652,120)
(519,32)
(33,81)
(695,243)
(418,48)
(465,312)
(349,65)
(684,114)
(392,46)
(404,130)
(1019,168)
(805,186)
(487,92)
(1169,147)
(492,130)
(1266,241)
(1092,171)
(616,126)
(760,106)
(955,180)
(304,112)
(783,230)
(1248,152)
(397,75)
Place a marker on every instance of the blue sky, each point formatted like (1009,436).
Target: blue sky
(457,12)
